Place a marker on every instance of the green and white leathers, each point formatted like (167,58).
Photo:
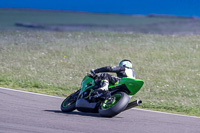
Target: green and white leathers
(124,69)
(84,100)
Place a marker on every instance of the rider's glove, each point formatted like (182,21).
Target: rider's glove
(92,72)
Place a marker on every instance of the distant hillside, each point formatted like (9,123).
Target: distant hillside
(80,21)
(144,7)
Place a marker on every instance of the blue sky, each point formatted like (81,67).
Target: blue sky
(171,7)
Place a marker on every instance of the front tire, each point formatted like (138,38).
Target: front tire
(117,106)
(68,105)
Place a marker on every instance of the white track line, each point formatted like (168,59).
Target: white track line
(132,108)
(165,113)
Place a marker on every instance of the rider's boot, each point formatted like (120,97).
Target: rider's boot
(107,96)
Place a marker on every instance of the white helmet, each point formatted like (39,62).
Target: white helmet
(126,63)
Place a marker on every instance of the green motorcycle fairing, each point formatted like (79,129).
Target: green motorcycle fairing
(87,83)
(134,85)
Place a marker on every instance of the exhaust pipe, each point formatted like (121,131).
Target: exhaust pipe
(133,104)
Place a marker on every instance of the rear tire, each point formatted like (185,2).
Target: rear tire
(117,106)
(68,105)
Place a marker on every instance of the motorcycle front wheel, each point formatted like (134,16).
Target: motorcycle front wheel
(68,105)
(118,105)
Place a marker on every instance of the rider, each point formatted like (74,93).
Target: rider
(124,69)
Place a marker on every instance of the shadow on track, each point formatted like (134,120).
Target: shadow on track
(75,113)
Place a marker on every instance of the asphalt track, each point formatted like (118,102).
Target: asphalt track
(23,112)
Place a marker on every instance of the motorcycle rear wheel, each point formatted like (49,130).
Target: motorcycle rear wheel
(117,106)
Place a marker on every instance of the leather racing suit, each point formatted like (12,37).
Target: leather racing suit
(107,79)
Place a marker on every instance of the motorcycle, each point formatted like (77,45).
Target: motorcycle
(85,101)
